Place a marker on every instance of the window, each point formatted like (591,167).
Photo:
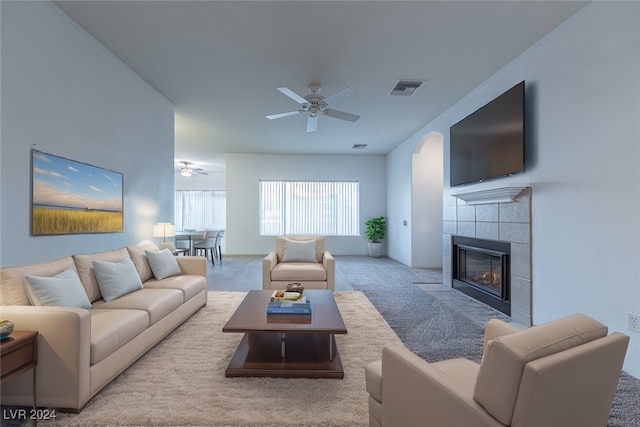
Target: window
(200,210)
(309,208)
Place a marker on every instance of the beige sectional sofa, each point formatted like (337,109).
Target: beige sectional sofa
(81,350)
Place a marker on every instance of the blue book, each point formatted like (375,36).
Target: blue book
(299,303)
(289,310)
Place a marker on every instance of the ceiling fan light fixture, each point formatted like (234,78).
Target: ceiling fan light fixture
(185,171)
(314,103)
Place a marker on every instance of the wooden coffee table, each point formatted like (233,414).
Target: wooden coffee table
(286,345)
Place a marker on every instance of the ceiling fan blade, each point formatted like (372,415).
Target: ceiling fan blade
(341,94)
(280,115)
(291,94)
(312,123)
(200,172)
(341,115)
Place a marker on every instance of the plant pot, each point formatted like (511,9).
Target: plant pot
(375,249)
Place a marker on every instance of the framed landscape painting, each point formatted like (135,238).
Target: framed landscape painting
(69,197)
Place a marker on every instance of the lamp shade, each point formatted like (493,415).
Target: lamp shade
(164,229)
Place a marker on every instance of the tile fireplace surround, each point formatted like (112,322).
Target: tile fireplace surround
(502,214)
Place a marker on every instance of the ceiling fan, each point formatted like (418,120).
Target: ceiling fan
(315,104)
(186,170)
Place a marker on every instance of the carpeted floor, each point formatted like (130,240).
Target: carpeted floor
(437,322)
(434,321)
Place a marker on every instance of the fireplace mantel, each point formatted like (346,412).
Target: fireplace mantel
(504,194)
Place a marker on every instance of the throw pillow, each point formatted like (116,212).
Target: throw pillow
(116,278)
(163,264)
(299,251)
(139,258)
(62,290)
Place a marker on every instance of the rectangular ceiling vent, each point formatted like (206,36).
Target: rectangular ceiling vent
(406,87)
(359,146)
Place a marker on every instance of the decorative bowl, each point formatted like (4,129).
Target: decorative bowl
(6,327)
(295,287)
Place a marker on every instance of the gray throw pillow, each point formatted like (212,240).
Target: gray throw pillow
(62,290)
(299,251)
(116,278)
(163,263)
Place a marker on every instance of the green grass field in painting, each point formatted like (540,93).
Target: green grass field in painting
(70,221)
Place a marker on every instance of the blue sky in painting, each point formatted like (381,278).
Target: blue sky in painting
(67,183)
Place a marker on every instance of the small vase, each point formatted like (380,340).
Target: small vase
(6,327)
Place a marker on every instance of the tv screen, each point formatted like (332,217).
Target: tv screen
(489,143)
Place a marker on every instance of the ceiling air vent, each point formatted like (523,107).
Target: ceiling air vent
(406,87)
(359,146)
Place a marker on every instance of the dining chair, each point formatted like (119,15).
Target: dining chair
(182,242)
(208,244)
(219,239)
(198,237)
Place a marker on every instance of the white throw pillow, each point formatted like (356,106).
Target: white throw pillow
(62,290)
(299,251)
(116,278)
(163,263)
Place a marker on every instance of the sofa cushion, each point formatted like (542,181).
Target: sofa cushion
(116,278)
(299,251)
(13,281)
(299,271)
(157,302)
(373,379)
(84,265)
(62,290)
(190,285)
(111,329)
(505,357)
(462,371)
(139,258)
(163,263)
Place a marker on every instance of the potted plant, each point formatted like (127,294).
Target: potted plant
(376,230)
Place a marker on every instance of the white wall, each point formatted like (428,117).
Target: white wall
(583,118)
(244,171)
(69,96)
(399,190)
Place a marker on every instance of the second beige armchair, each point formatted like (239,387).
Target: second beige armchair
(301,259)
(559,374)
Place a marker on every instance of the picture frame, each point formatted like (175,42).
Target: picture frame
(71,197)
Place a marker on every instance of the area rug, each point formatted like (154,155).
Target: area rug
(181,380)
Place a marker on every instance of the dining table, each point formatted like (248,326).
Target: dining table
(192,235)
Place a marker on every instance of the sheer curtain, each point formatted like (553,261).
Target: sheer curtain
(309,207)
(200,210)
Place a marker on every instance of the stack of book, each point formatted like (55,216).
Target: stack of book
(282,305)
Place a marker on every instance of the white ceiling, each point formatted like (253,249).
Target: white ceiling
(219,63)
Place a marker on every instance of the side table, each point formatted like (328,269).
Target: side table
(18,354)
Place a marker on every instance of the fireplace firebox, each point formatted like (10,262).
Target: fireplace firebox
(481,270)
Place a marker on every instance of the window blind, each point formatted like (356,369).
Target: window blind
(328,208)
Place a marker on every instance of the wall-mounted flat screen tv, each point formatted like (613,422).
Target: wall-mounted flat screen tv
(489,143)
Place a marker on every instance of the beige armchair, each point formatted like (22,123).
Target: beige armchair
(558,374)
(299,259)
